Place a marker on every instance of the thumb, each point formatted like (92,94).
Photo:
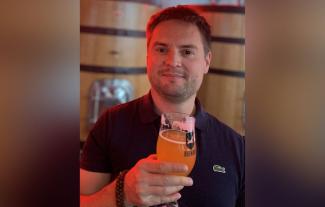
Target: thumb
(152,157)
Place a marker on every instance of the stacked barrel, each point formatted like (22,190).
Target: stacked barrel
(112,46)
(222,92)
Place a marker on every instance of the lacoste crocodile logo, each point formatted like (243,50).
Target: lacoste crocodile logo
(218,168)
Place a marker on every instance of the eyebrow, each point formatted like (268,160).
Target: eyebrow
(159,44)
(189,46)
(181,46)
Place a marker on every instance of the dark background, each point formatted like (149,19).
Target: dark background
(39,103)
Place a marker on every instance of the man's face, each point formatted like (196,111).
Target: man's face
(176,61)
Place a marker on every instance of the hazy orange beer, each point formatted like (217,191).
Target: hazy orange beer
(176,140)
(171,147)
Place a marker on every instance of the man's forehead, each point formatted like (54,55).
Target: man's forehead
(172,32)
(175,24)
(176,32)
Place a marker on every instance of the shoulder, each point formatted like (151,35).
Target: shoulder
(123,110)
(116,116)
(216,126)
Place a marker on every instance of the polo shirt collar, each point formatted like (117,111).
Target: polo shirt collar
(146,109)
(148,115)
(201,118)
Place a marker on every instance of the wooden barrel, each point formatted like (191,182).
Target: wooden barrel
(112,46)
(222,92)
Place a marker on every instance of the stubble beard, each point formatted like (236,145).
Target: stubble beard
(173,92)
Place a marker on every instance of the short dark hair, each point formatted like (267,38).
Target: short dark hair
(185,14)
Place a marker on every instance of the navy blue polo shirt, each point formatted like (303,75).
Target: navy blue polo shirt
(128,132)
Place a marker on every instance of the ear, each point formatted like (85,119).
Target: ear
(207,59)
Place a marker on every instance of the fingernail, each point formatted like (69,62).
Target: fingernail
(190,181)
(183,168)
(186,168)
(178,196)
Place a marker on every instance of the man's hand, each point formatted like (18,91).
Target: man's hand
(149,182)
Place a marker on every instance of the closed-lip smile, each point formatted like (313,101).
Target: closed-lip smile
(176,75)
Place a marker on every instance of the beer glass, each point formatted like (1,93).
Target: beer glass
(176,141)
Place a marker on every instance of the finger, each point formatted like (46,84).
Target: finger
(156,200)
(152,157)
(164,167)
(168,180)
(163,191)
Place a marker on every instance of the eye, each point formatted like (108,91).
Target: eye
(187,52)
(161,50)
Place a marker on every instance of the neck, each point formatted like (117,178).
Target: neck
(163,105)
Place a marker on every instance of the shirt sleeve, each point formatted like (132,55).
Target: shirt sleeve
(95,153)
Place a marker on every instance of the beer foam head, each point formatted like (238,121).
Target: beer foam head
(186,125)
(178,121)
(174,136)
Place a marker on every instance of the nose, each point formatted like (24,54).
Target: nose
(173,58)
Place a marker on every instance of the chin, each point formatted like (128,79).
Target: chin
(175,97)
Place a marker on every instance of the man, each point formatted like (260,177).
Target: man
(124,138)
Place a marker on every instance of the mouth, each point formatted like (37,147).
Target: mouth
(173,75)
(168,73)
